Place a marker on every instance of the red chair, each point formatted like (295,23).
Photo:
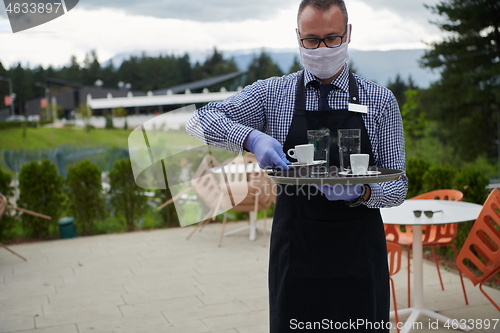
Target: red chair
(394,252)
(481,249)
(434,235)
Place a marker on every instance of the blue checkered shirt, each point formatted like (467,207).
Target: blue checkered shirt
(268,106)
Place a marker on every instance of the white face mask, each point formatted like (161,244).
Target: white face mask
(325,62)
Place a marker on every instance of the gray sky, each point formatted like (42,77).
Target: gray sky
(407,8)
(195,10)
(234,11)
(112,27)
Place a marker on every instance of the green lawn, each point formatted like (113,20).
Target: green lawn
(44,137)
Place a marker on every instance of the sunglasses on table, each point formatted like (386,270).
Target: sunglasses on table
(428,213)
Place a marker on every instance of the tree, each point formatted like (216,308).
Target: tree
(85,195)
(399,87)
(91,69)
(144,73)
(214,65)
(414,122)
(121,112)
(5,180)
(54,110)
(352,67)
(296,65)
(438,177)
(4,87)
(41,190)
(108,120)
(416,167)
(467,97)
(7,190)
(22,86)
(108,75)
(128,199)
(85,112)
(262,67)
(73,72)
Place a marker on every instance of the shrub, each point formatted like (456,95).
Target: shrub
(121,112)
(5,188)
(415,170)
(127,199)
(109,120)
(472,182)
(5,180)
(85,195)
(438,178)
(41,190)
(17,124)
(46,122)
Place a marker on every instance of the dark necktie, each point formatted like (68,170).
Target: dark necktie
(324,90)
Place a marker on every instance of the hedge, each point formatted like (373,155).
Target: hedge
(85,195)
(41,190)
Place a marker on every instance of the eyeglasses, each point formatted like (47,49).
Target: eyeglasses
(428,213)
(330,41)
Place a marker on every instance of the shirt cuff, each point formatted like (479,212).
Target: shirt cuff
(236,137)
(376,194)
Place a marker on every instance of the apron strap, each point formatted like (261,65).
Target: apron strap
(353,89)
(300,95)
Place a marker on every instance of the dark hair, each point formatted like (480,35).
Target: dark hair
(323,5)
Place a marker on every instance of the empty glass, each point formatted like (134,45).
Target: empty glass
(321,141)
(349,141)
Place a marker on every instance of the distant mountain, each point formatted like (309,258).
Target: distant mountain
(383,66)
(378,66)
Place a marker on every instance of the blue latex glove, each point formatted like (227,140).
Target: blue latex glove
(341,192)
(267,150)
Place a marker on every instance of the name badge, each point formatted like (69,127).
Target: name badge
(358,108)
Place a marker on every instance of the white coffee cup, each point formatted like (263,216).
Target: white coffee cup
(359,163)
(302,153)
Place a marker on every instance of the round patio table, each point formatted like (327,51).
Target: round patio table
(452,212)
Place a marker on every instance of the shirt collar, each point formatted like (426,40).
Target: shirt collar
(341,81)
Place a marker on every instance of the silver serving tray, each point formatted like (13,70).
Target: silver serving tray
(301,176)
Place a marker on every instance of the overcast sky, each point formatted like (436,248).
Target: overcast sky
(115,26)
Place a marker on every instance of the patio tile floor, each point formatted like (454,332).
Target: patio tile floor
(157,281)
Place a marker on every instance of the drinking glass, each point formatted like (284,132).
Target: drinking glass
(321,141)
(349,141)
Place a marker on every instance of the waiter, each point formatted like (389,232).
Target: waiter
(328,260)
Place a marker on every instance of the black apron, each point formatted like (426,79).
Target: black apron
(328,262)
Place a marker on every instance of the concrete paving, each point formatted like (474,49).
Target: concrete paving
(157,281)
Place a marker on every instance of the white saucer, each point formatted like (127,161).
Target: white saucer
(368,173)
(297,164)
